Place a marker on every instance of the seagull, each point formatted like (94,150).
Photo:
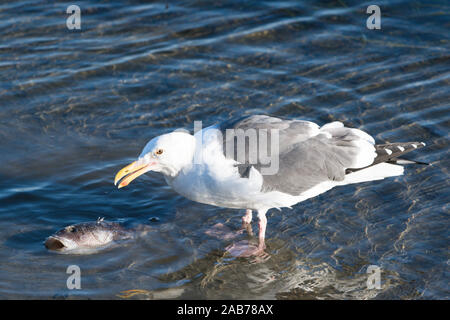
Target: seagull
(217,166)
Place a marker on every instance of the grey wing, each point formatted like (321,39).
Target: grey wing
(308,154)
(316,160)
(288,133)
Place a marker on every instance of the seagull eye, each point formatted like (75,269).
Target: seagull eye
(159,151)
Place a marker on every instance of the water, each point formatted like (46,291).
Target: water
(76,106)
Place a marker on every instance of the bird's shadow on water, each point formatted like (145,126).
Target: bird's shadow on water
(217,269)
(218,275)
(292,271)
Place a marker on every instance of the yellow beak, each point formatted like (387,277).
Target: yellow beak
(131,172)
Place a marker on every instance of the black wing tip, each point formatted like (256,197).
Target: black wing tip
(391,153)
(405,148)
(395,150)
(407,161)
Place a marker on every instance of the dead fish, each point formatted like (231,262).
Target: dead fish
(87,237)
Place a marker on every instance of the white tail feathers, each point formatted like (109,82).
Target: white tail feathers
(376,172)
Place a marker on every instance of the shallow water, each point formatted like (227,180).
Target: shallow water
(76,106)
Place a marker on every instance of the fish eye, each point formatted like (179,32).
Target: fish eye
(159,151)
(73,229)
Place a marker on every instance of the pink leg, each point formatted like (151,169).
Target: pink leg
(262,231)
(247,249)
(247,222)
(248,216)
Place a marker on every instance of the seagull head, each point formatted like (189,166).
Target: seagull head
(168,154)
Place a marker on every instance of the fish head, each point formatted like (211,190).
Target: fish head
(81,236)
(56,243)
